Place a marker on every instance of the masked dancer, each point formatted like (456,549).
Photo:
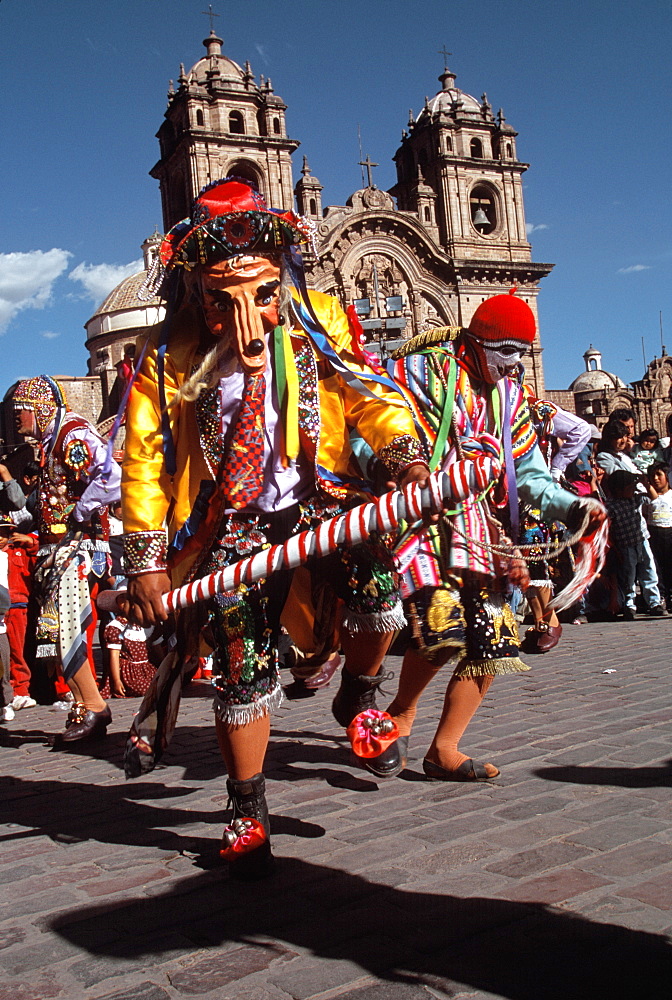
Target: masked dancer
(78,482)
(238,437)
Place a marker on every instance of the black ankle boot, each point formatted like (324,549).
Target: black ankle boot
(248,801)
(390,762)
(355,695)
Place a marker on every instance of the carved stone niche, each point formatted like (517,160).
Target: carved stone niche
(371,199)
(390,277)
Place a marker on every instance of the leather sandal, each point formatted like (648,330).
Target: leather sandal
(549,637)
(469,770)
(326,672)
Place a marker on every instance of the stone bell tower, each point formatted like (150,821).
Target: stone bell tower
(219,121)
(458,172)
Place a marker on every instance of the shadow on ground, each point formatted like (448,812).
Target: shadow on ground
(72,812)
(621,777)
(523,951)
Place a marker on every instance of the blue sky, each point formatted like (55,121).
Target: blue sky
(586,85)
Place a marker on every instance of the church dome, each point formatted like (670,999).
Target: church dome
(216,65)
(593,380)
(125,296)
(454,101)
(122,316)
(595,377)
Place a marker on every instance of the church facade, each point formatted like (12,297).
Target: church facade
(449,234)
(455,236)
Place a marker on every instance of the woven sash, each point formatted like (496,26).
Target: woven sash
(243,472)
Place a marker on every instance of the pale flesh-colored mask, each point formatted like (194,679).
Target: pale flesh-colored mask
(497,362)
(240,300)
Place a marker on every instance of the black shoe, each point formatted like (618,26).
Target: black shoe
(355,695)
(656,611)
(248,801)
(297,690)
(83,724)
(469,770)
(390,762)
(628,615)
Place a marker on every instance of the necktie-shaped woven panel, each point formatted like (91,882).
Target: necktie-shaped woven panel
(243,473)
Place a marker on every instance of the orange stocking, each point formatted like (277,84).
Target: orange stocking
(244,747)
(416,673)
(364,651)
(463,697)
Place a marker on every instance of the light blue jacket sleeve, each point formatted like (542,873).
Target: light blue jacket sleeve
(537,488)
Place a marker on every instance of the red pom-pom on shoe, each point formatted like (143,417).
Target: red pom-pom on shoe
(240,837)
(372,732)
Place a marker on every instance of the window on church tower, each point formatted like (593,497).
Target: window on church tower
(312,208)
(428,214)
(276,126)
(236,123)
(248,171)
(476,149)
(199,117)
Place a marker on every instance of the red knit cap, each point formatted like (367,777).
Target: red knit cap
(503,319)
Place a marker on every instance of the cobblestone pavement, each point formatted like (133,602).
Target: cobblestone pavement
(553,881)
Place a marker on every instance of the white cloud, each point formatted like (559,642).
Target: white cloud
(27,279)
(633,268)
(531,228)
(49,335)
(99,279)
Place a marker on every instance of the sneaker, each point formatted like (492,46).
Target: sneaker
(64,705)
(656,611)
(23,701)
(8,713)
(628,615)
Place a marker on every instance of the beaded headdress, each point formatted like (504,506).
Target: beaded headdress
(42,395)
(228,219)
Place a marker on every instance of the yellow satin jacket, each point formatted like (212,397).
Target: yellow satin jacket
(152,499)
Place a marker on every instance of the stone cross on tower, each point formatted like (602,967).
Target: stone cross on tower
(443,52)
(368,164)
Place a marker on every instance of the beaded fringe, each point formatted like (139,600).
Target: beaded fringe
(241,715)
(481,668)
(381,621)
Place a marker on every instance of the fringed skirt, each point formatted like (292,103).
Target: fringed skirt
(245,626)
(475,626)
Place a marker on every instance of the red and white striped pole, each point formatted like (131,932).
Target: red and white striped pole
(460,481)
